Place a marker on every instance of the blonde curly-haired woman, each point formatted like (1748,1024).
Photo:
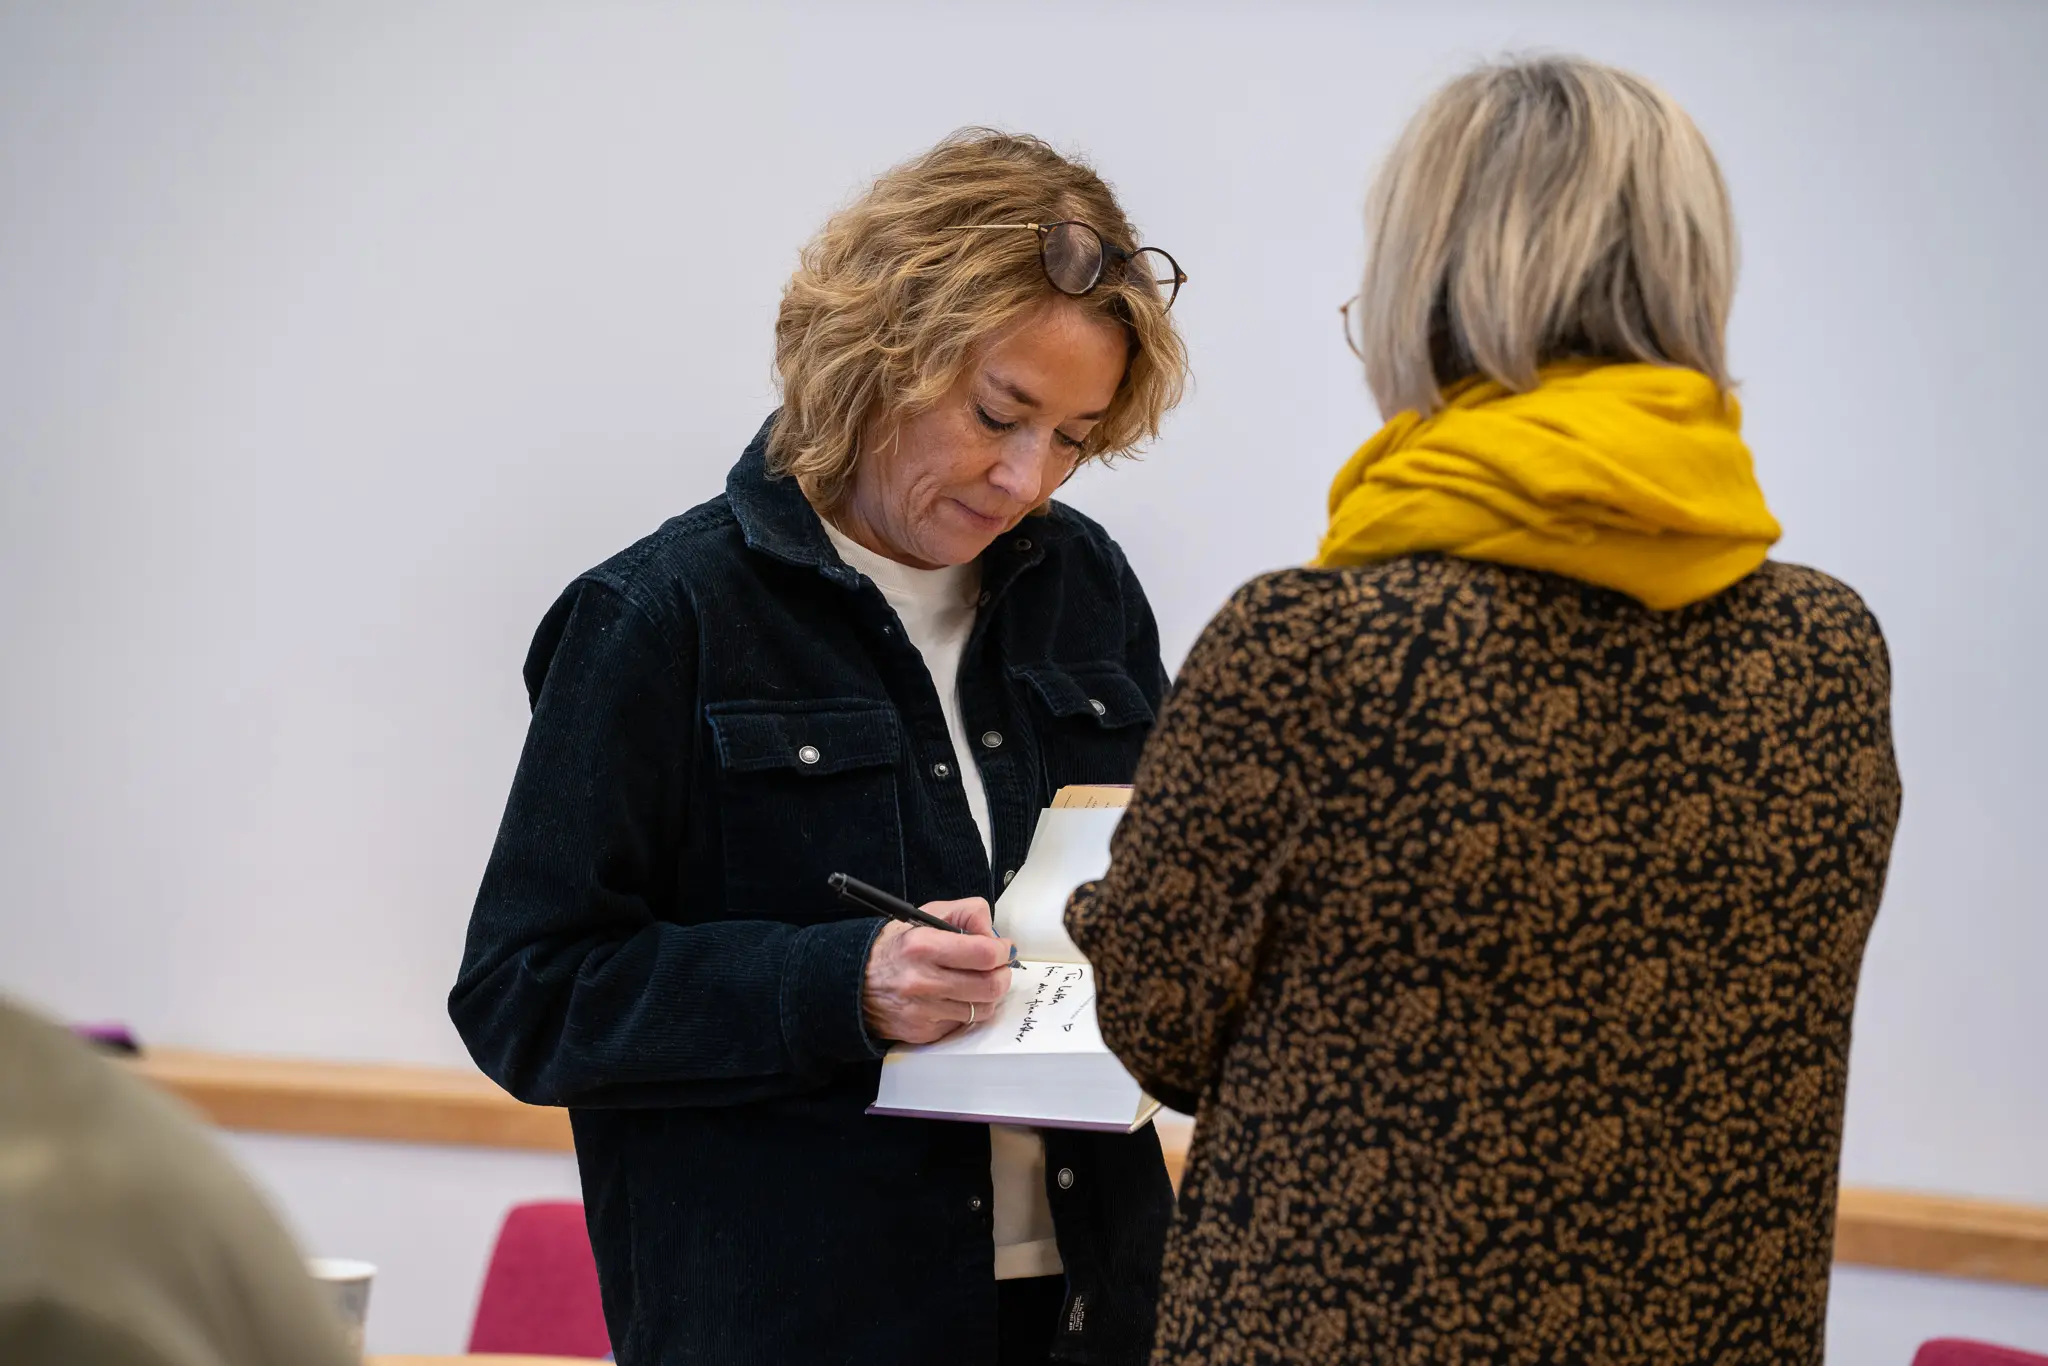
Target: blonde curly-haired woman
(879,653)
(1496,890)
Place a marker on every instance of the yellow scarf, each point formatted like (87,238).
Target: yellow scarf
(1632,477)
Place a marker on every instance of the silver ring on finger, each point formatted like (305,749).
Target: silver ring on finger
(970,1014)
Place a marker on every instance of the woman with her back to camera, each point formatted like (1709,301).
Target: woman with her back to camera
(879,653)
(1496,890)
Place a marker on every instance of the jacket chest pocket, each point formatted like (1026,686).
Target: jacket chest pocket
(1092,721)
(806,790)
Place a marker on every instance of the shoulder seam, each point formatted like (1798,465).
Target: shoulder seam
(618,588)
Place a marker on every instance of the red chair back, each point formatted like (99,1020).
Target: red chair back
(1962,1352)
(540,1295)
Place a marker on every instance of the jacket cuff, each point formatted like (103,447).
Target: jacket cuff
(821,982)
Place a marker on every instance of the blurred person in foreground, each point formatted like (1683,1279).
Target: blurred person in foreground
(880,653)
(1496,889)
(127,1238)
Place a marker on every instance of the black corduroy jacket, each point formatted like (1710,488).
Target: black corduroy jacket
(723,715)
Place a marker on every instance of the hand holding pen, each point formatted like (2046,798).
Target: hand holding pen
(933,970)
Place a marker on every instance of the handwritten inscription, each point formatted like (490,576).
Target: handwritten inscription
(1050,1008)
(1056,1000)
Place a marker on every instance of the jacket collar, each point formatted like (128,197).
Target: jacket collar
(775,517)
(777,520)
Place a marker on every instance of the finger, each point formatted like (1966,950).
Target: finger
(923,983)
(922,1019)
(941,984)
(962,952)
(972,915)
(960,1014)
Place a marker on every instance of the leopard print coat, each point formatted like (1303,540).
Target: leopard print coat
(1505,935)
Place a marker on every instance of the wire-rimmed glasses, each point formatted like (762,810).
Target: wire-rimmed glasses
(1353,331)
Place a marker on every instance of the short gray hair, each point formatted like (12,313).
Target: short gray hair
(1539,209)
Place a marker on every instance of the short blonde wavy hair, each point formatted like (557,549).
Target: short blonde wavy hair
(1541,209)
(889,303)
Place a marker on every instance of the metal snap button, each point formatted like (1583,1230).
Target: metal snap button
(1066,1178)
(809,754)
(992,739)
(1022,544)
(975,1204)
(984,600)
(1096,703)
(1008,873)
(942,771)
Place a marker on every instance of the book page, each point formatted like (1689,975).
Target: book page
(1071,847)
(1091,794)
(1050,1009)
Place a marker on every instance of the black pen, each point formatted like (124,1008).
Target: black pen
(875,901)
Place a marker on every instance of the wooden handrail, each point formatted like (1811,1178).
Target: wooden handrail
(1938,1235)
(1942,1235)
(391,1101)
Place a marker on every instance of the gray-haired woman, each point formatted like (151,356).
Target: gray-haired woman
(1496,892)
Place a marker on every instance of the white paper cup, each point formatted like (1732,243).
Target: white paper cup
(348,1288)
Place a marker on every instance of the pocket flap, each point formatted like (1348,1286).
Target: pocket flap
(814,738)
(1105,691)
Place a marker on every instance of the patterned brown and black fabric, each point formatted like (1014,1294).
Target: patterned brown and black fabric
(1506,934)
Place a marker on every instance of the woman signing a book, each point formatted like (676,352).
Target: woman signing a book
(879,653)
(1496,888)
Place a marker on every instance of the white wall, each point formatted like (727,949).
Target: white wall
(335,338)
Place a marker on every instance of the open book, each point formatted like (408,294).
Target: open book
(1038,1058)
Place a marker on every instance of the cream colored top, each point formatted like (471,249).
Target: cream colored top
(937,609)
